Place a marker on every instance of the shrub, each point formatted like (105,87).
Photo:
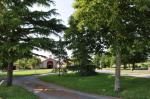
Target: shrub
(73,68)
(83,70)
(87,70)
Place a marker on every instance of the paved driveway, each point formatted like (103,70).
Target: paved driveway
(125,74)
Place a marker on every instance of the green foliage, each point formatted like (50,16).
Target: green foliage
(87,70)
(107,61)
(121,23)
(79,42)
(3,64)
(12,93)
(23,30)
(30,63)
(60,54)
(73,68)
(60,51)
(96,60)
(83,70)
(136,56)
(104,60)
(144,65)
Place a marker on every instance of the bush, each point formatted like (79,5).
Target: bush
(73,68)
(87,70)
(144,65)
(83,70)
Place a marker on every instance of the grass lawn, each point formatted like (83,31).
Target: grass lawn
(2,75)
(31,72)
(103,84)
(15,92)
(27,72)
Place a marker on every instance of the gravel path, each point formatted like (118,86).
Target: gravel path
(50,91)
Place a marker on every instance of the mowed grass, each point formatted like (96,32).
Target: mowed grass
(103,84)
(15,92)
(2,75)
(31,72)
(27,72)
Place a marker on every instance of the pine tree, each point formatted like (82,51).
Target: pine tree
(23,30)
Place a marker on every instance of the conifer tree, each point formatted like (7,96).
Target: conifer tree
(23,30)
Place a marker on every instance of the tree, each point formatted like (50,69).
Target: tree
(21,63)
(79,42)
(97,61)
(121,23)
(27,63)
(60,54)
(134,55)
(3,64)
(33,62)
(137,57)
(23,30)
(104,60)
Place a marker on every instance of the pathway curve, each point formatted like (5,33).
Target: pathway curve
(51,91)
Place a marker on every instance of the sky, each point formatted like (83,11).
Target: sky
(64,8)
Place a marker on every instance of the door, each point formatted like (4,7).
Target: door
(50,64)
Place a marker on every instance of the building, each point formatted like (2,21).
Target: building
(48,64)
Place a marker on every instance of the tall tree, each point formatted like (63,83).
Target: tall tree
(23,30)
(61,54)
(79,42)
(121,23)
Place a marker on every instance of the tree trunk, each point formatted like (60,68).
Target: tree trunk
(125,66)
(59,71)
(133,66)
(59,68)
(10,74)
(129,66)
(117,71)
